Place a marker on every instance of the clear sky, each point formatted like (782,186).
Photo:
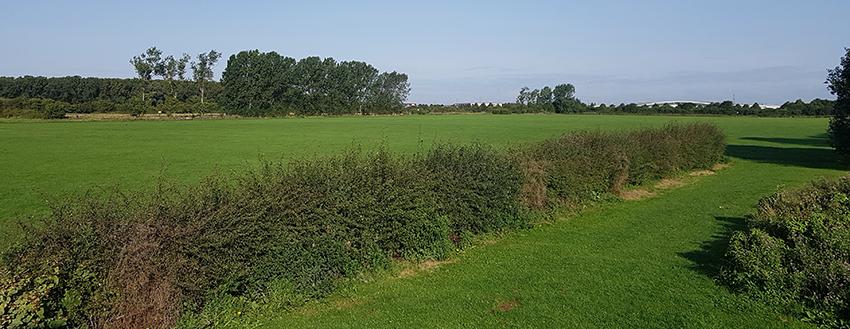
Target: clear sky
(458,51)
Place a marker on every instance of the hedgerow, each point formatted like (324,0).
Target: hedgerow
(590,165)
(144,259)
(796,250)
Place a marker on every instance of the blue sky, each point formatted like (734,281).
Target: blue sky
(454,51)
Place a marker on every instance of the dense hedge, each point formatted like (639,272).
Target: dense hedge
(120,259)
(797,249)
(589,165)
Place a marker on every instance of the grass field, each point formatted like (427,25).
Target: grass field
(638,264)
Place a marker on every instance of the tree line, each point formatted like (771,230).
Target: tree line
(172,70)
(817,107)
(560,99)
(266,83)
(254,83)
(76,89)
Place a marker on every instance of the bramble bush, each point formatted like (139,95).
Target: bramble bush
(118,259)
(796,251)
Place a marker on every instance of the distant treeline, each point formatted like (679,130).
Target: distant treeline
(50,98)
(561,99)
(77,90)
(254,83)
(258,83)
(817,107)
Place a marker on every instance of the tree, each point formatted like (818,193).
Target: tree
(256,83)
(181,66)
(839,85)
(355,78)
(544,98)
(389,92)
(202,69)
(532,96)
(564,97)
(524,96)
(146,65)
(169,72)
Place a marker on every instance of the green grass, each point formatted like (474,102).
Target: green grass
(636,264)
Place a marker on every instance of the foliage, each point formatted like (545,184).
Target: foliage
(589,165)
(559,100)
(202,70)
(78,90)
(839,85)
(267,84)
(477,188)
(796,249)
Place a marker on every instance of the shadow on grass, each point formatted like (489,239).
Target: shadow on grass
(708,260)
(809,157)
(821,140)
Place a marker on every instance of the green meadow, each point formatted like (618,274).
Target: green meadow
(643,264)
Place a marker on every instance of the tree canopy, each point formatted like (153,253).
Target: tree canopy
(267,83)
(839,85)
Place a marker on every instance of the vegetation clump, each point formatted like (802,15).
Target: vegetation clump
(796,249)
(142,260)
(839,126)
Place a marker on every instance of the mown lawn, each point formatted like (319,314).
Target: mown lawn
(638,264)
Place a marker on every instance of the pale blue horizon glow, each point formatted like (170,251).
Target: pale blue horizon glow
(465,51)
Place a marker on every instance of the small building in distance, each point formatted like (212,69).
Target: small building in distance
(697,103)
(673,103)
(493,104)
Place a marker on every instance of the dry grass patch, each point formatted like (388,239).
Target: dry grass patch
(426,266)
(700,173)
(345,303)
(720,166)
(669,183)
(507,306)
(636,194)
(313,309)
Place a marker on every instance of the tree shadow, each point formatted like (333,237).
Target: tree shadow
(709,259)
(821,140)
(809,157)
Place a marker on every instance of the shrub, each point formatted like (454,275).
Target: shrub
(589,165)
(477,187)
(796,249)
(581,166)
(35,108)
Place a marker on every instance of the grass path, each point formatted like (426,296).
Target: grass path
(640,264)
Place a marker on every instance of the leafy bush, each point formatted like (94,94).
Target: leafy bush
(140,260)
(477,187)
(34,108)
(797,249)
(588,165)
